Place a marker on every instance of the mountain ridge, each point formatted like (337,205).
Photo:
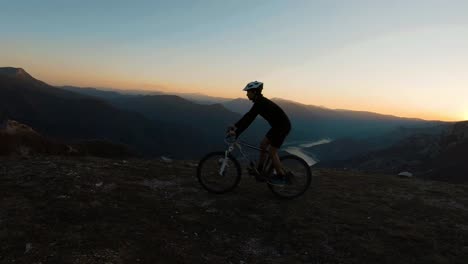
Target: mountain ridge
(41,106)
(15,72)
(309,122)
(439,157)
(206,99)
(67,115)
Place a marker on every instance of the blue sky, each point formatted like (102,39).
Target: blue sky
(407,58)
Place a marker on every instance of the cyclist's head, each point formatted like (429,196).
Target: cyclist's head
(254,88)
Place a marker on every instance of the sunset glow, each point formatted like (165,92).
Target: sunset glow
(404,58)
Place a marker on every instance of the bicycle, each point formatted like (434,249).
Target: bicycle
(220,172)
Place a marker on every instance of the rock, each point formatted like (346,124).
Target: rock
(71,150)
(166,159)
(13,127)
(28,248)
(405,174)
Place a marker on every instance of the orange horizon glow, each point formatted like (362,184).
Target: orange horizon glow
(114,81)
(237,92)
(399,58)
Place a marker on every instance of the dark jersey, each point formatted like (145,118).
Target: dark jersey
(267,109)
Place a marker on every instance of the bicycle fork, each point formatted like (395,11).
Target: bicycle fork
(225,160)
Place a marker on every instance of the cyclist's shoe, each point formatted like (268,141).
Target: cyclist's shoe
(278,180)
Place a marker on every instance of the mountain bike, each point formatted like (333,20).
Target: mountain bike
(220,172)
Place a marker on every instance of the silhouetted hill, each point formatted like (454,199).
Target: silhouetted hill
(161,107)
(95,92)
(354,132)
(238,105)
(309,122)
(18,73)
(408,154)
(433,156)
(314,122)
(348,148)
(93,210)
(18,139)
(19,81)
(451,160)
(210,119)
(174,108)
(203,99)
(109,93)
(66,115)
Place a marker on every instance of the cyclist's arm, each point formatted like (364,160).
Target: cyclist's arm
(231,131)
(246,120)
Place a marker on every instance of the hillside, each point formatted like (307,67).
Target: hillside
(208,119)
(19,139)
(70,116)
(339,124)
(401,137)
(432,156)
(92,210)
(450,163)
(211,120)
(309,122)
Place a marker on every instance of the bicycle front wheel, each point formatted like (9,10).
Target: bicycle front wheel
(218,175)
(298,179)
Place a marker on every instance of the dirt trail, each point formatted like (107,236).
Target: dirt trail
(91,210)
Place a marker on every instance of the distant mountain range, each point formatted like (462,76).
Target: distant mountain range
(437,156)
(347,147)
(71,116)
(157,124)
(309,122)
(106,92)
(210,120)
(319,122)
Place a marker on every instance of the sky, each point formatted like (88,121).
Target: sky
(406,58)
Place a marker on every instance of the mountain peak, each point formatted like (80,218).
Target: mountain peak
(15,72)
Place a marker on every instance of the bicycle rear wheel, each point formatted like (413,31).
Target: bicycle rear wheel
(299,178)
(211,177)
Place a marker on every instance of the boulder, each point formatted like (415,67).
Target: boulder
(405,174)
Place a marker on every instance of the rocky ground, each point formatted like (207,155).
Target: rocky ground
(91,210)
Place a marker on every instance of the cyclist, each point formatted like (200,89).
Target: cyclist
(280,127)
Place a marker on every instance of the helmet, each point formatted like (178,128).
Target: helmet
(254,85)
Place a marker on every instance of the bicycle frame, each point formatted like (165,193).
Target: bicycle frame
(238,144)
(213,168)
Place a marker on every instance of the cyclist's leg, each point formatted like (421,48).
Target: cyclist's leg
(276,137)
(263,154)
(276,161)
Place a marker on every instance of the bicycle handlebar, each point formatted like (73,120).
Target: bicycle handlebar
(229,139)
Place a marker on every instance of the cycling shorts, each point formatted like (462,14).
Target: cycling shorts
(277,136)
